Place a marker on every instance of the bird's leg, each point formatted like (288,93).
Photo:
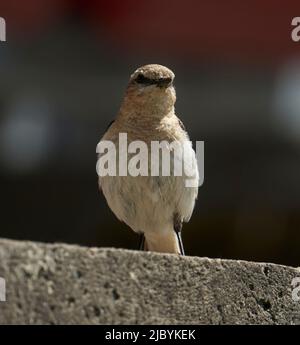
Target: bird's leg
(179,238)
(142,242)
(177,229)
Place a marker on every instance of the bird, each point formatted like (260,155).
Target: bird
(154,207)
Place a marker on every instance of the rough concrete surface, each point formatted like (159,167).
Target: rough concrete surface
(64,284)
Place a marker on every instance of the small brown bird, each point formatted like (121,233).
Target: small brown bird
(153,206)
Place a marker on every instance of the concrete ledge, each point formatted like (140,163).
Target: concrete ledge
(63,284)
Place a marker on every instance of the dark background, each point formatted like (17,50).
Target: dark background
(63,72)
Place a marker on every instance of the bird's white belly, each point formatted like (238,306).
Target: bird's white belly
(149,203)
(143,203)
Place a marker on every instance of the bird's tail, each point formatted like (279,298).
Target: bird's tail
(168,242)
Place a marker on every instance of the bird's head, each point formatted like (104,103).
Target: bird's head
(151,87)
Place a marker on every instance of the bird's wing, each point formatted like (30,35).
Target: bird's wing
(109,125)
(107,128)
(187,187)
(181,124)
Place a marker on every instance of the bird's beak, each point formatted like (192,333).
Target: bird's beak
(164,82)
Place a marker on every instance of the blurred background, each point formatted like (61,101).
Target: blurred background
(63,72)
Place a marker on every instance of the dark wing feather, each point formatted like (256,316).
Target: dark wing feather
(107,128)
(181,124)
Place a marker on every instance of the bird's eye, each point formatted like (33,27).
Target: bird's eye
(141,79)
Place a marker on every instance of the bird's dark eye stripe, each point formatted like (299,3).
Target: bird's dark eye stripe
(141,79)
